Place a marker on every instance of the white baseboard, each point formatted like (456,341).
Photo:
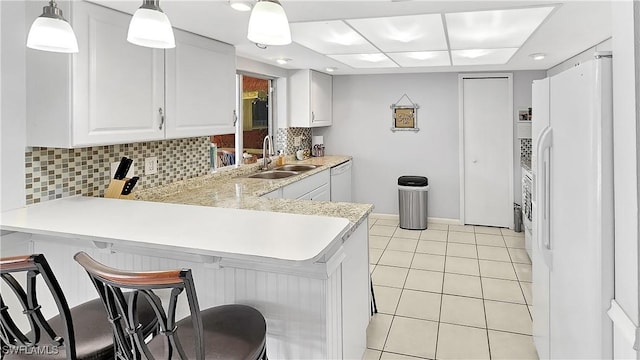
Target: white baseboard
(384,216)
(447,221)
(434,220)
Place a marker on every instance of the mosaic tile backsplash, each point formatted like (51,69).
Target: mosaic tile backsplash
(525,150)
(285,138)
(53,173)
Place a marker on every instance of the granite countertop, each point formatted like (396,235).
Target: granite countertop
(232,189)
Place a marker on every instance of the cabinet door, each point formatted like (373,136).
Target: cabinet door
(201,87)
(321,99)
(118,87)
(301,189)
(322,193)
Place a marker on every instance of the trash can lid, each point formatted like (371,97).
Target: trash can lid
(413,181)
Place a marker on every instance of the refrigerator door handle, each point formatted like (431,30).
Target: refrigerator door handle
(544,195)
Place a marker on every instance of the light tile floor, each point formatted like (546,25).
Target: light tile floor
(449,292)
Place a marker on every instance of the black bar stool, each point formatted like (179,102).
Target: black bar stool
(221,332)
(82,332)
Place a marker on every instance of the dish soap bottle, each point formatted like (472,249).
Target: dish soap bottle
(280,160)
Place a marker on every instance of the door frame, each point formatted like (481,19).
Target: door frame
(461,147)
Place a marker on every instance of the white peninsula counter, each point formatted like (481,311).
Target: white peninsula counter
(307,274)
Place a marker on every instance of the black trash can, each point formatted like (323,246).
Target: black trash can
(412,202)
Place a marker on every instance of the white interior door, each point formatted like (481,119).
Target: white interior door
(487,141)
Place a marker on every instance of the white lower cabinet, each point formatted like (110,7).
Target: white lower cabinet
(323,193)
(312,186)
(113,92)
(316,187)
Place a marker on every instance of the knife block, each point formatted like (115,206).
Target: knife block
(114,191)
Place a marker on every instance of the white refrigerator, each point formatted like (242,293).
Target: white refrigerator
(572,253)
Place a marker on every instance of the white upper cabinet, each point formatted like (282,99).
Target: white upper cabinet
(200,87)
(113,92)
(310,99)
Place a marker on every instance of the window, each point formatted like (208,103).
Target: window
(255,116)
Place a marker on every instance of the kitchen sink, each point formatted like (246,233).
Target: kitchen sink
(293,167)
(273,174)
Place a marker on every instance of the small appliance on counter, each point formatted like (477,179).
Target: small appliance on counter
(317,147)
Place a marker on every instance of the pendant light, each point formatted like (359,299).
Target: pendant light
(150,27)
(51,32)
(268,24)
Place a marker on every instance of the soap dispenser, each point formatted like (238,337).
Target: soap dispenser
(280,160)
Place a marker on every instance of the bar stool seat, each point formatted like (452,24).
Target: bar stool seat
(229,331)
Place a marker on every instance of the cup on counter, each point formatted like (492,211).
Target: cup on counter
(318,150)
(300,154)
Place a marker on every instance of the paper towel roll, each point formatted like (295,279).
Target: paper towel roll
(317,140)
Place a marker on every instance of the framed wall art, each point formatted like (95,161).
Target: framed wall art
(404,116)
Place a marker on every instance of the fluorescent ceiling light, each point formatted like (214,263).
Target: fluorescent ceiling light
(421,58)
(51,32)
(494,29)
(330,37)
(268,24)
(403,33)
(365,61)
(482,56)
(240,5)
(150,27)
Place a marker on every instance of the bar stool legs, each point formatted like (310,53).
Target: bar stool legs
(374,307)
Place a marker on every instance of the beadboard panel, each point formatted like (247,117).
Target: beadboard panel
(334,315)
(304,315)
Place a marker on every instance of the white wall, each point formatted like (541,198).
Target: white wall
(13,104)
(625,114)
(361,123)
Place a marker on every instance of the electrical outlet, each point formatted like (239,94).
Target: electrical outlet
(114,167)
(151,165)
(297,140)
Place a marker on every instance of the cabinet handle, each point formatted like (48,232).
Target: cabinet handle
(313,116)
(161,118)
(235,118)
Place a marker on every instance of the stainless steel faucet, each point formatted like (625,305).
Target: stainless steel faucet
(265,155)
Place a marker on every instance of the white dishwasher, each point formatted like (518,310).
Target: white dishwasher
(341,182)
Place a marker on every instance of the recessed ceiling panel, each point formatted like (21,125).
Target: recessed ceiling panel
(493,29)
(365,61)
(330,37)
(421,58)
(403,33)
(482,56)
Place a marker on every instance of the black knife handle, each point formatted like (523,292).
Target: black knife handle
(128,186)
(121,172)
(127,166)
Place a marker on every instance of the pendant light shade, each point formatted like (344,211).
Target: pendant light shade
(150,27)
(268,24)
(51,32)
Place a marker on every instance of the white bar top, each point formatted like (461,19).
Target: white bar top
(202,230)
